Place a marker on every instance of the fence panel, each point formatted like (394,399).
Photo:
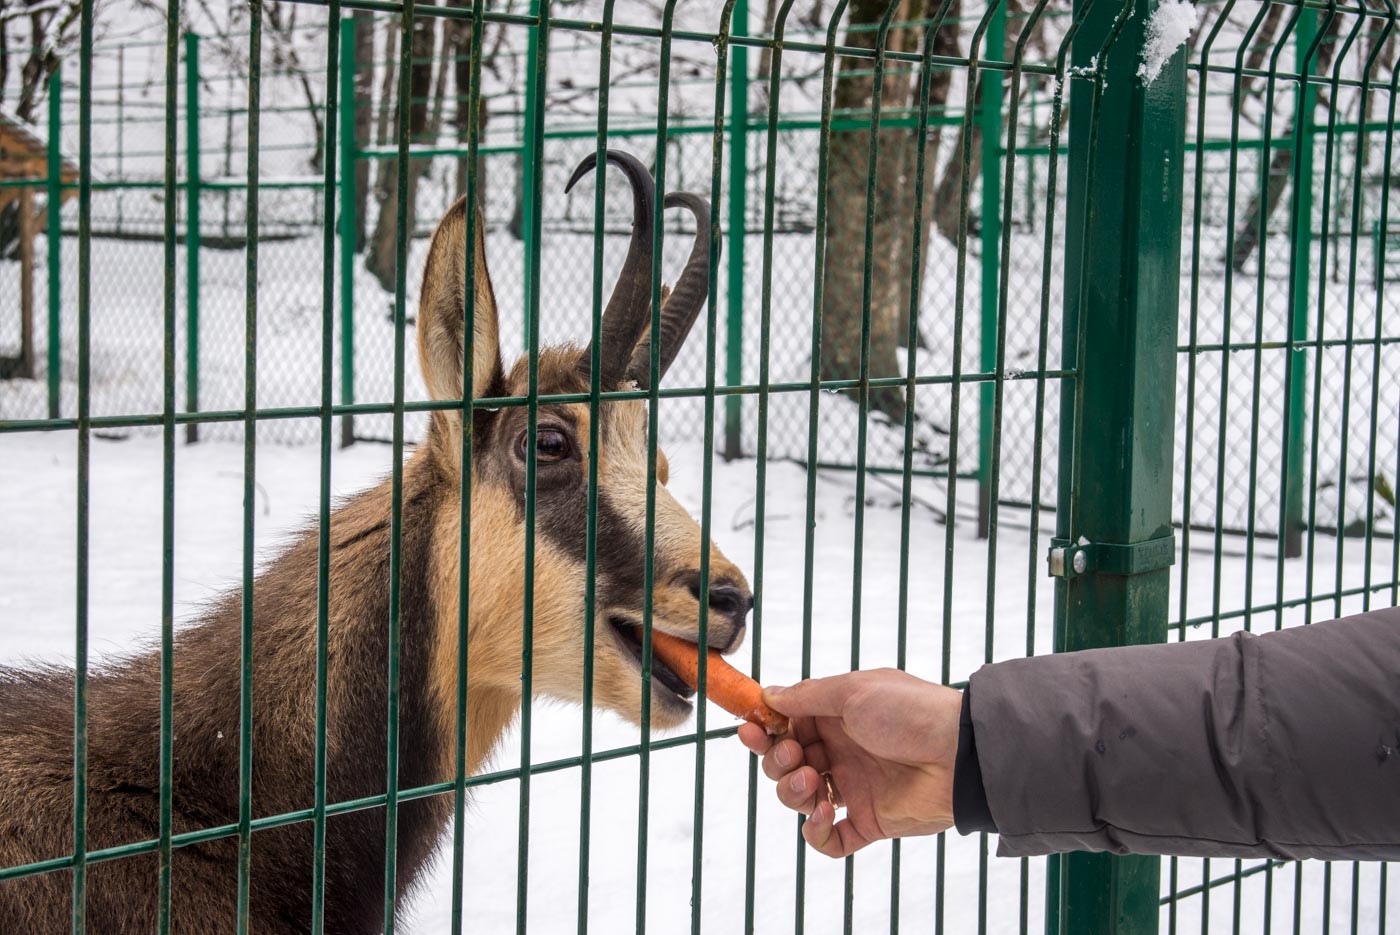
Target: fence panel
(975,276)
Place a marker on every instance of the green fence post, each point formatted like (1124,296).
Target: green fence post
(527,174)
(738,192)
(54,202)
(1303,127)
(1122,278)
(991,240)
(348,226)
(192,232)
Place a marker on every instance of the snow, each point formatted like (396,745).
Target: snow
(37,471)
(37,478)
(1168,29)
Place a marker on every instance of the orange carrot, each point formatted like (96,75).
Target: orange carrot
(725,685)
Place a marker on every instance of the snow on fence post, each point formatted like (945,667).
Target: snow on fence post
(1122,279)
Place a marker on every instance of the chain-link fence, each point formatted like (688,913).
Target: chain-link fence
(127,258)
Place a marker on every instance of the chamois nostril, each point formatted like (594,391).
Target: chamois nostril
(730,601)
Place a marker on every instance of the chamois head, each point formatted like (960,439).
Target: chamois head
(561,455)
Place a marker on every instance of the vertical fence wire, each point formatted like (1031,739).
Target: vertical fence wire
(959,308)
(707,469)
(167,590)
(910,390)
(1265,157)
(1226,339)
(53,197)
(466,427)
(775,74)
(395,622)
(535,115)
(992,498)
(323,528)
(250,431)
(653,439)
(1324,242)
(192,230)
(82,571)
(863,387)
(814,403)
(1300,228)
(595,366)
(1378,334)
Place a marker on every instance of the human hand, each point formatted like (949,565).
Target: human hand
(889,741)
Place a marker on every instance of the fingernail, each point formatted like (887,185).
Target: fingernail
(781,754)
(772,689)
(799,784)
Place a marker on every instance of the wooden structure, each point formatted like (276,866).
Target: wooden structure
(24,157)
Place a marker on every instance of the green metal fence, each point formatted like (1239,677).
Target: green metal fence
(1163,325)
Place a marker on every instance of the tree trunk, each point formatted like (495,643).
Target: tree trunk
(461,44)
(386,115)
(945,43)
(380,260)
(1262,45)
(1280,168)
(26,284)
(364,114)
(843,277)
(4,58)
(948,198)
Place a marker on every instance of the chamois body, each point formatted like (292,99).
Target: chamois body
(36,743)
(36,706)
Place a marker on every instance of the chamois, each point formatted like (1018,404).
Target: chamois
(36,706)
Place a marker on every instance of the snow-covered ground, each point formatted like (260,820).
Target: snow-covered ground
(37,475)
(37,548)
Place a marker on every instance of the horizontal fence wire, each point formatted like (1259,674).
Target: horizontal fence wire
(884,331)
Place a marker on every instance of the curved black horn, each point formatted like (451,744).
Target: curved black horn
(687,298)
(625,317)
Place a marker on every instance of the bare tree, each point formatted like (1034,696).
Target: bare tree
(53,28)
(945,43)
(459,41)
(364,99)
(281,30)
(1280,167)
(843,278)
(380,258)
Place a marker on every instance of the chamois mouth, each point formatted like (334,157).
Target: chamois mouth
(629,634)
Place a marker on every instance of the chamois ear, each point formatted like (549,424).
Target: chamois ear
(441,307)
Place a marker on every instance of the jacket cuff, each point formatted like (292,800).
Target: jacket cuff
(970,810)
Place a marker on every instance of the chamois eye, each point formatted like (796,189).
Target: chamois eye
(551,445)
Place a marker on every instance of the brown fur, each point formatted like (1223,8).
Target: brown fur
(36,720)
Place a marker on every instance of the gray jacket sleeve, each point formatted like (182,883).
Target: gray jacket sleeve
(1283,745)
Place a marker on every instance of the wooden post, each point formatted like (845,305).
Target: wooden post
(26,284)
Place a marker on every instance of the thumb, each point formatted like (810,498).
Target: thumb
(824,697)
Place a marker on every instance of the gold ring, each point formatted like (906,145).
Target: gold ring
(831,795)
